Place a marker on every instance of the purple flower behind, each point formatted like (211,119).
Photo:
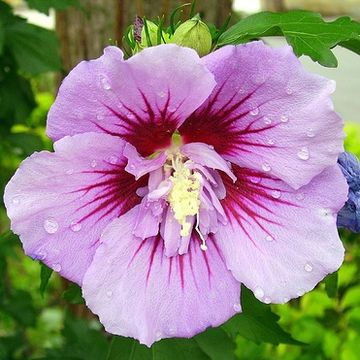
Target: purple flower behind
(349,215)
(175,179)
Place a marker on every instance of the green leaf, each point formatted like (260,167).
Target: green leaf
(44,5)
(257,322)
(122,348)
(216,343)
(2,37)
(178,349)
(305,31)
(331,285)
(45,274)
(73,294)
(353,45)
(35,49)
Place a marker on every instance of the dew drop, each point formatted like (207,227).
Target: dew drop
(172,109)
(310,133)
(255,111)
(289,91)
(303,153)
(266,167)
(308,267)
(16,200)
(300,196)
(237,307)
(41,255)
(259,292)
(109,293)
(271,142)
(158,335)
(105,83)
(267,300)
(100,117)
(161,94)
(255,180)
(276,194)
(269,238)
(267,120)
(51,226)
(69,172)
(57,267)
(285,299)
(93,163)
(131,116)
(284,119)
(113,159)
(75,226)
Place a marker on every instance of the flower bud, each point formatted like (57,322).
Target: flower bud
(194,34)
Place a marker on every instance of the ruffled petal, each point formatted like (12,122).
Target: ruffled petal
(138,291)
(267,113)
(280,242)
(143,99)
(59,203)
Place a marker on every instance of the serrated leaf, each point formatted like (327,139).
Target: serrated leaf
(44,5)
(35,49)
(331,285)
(73,294)
(305,31)
(257,322)
(45,274)
(216,343)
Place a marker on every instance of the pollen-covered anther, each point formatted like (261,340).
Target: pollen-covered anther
(184,197)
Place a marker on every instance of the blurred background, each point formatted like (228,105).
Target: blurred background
(38,46)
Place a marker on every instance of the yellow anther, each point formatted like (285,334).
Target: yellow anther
(184,195)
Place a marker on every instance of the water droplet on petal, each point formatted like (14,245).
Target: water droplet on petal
(93,163)
(158,335)
(267,300)
(75,226)
(300,196)
(276,194)
(69,172)
(269,238)
(161,93)
(303,153)
(100,117)
(255,111)
(255,180)
(271,142)
(286,299)
(241,91)
(237,307)
(113,159)
(51,226)
(310,133)
(259,292)
(16,200)
(105,82)
(131,116)
(41,255)
(308,267)
(284,119)
(172,109)
(109,293)
(267,120)
(266,167)
(57,267)
(289,90)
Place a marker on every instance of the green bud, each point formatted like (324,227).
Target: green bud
(194,34)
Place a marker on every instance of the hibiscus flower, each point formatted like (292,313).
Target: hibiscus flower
(175,178)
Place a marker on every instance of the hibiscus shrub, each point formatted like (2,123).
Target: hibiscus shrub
(193,198)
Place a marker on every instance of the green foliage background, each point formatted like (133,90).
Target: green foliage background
(43,316)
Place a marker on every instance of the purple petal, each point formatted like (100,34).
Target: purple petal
(281,242)
(143,99)
(205,155)
(269,115)
(139,166)
(59,203)
(138,291)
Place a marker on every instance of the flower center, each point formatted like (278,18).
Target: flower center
(184,197)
